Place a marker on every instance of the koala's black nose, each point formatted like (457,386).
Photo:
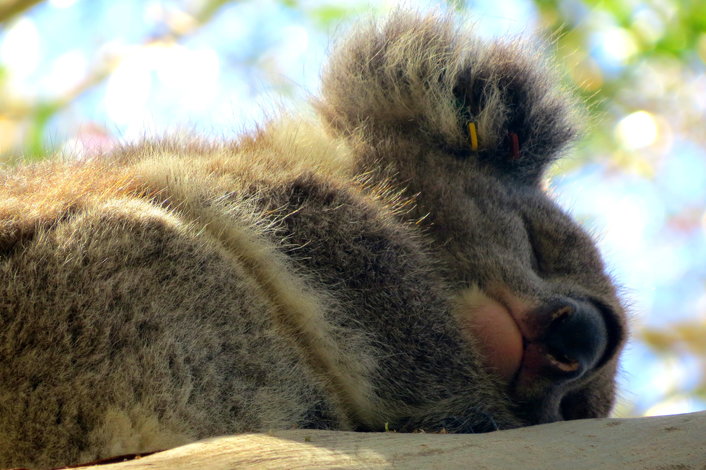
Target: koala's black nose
(576,337)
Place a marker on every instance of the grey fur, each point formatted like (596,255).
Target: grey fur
(303,276)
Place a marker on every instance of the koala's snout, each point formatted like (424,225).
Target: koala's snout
(565,340)
(576,337)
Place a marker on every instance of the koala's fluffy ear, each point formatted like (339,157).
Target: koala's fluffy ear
(420,77)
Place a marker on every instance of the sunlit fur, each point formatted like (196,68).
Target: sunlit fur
(305,275)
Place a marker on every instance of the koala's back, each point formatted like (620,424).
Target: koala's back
(126,325)
(158,299)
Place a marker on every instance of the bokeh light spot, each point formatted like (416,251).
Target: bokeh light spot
(616,46)
(637,130)
(20,52)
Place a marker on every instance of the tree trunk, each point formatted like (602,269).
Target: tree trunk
(668,442)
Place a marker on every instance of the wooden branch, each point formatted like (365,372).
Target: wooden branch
(667,442)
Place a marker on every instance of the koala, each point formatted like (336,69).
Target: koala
(390,261)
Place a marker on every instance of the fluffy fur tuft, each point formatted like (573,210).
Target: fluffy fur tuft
(426,79)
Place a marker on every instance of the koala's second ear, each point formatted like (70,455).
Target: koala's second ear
(421,78)
(516,118)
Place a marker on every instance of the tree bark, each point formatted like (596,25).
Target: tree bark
(668,442)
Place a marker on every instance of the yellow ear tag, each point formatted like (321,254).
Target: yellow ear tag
(474,136)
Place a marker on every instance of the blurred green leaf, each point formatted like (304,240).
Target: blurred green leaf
(35,145)
(326,15)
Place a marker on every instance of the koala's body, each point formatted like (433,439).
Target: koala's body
(392,262)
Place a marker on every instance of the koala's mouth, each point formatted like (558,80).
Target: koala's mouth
(492,326)
(520,342)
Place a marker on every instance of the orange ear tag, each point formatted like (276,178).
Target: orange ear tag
(474,136)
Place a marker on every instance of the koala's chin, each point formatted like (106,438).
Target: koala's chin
(391,263)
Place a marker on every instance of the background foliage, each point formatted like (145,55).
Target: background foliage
(77,76)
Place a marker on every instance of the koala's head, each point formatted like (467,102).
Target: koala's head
(535,298)
(469,128)
(539,307)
